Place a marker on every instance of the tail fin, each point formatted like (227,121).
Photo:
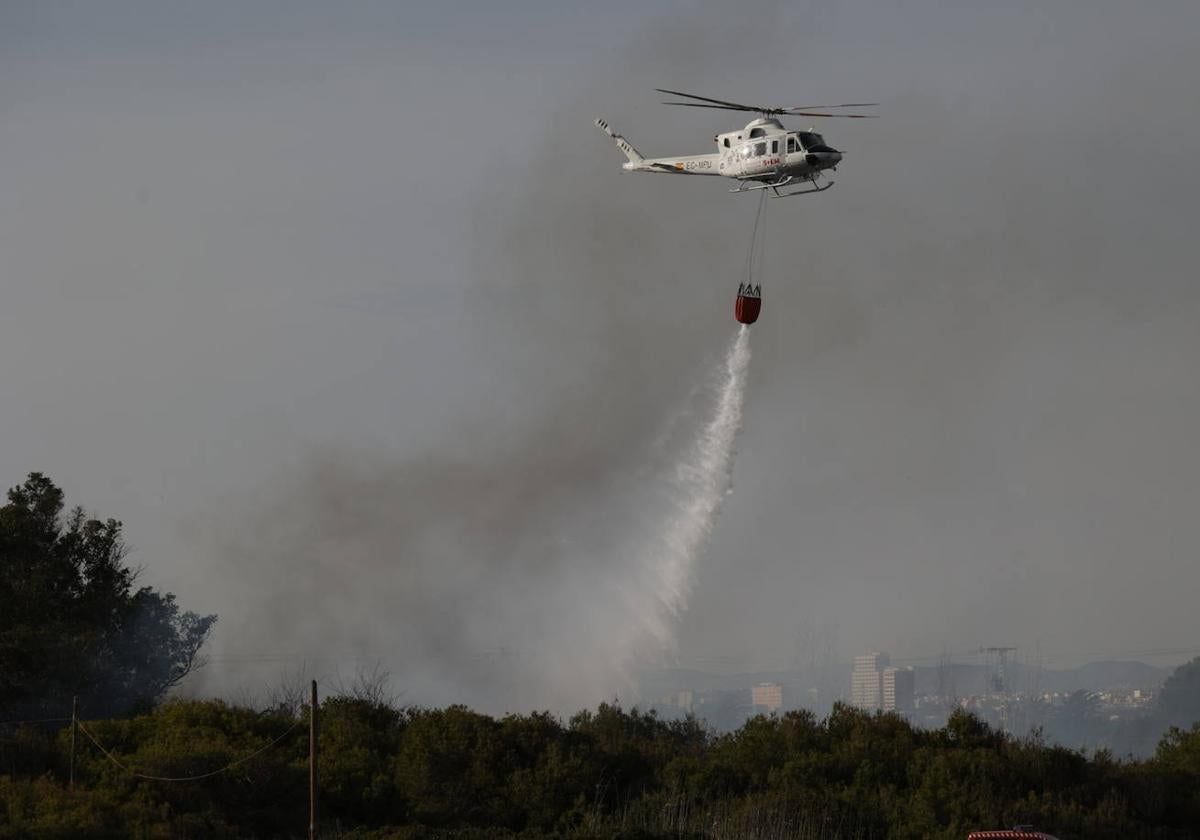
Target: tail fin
(631,153)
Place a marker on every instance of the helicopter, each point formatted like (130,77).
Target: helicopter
(762,156)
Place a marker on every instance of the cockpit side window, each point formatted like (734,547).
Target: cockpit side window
(760,149)
(791,144)
(726,142)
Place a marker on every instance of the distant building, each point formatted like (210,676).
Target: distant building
(897,688)
(768,696)
(865,689)
(866,683)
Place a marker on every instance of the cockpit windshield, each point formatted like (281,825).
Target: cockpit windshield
(808,139)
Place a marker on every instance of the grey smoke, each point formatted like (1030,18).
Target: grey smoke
(509,565)
(513,583)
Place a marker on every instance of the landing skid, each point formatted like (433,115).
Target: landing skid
(813,189)
(775,186)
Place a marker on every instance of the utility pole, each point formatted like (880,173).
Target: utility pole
(74,726)
(312,764)
(999,681)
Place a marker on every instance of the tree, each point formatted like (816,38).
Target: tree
(1179,699)
(72,621)
(1179,756)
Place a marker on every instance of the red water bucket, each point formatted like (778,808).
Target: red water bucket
(748,304)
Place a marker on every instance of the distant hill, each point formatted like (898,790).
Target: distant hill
(1105,675)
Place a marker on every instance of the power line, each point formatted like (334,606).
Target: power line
(38,720)
(217,772)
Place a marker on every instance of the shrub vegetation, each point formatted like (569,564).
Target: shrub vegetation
(608,773)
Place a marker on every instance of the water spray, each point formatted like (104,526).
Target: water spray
(703,478)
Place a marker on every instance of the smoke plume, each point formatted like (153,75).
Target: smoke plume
(505,583)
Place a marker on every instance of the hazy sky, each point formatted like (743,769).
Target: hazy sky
(349,313)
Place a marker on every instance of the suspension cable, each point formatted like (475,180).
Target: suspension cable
(197,778)
(759,219)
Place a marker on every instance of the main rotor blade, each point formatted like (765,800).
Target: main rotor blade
(718,107)
(847,105)
(735,105)
(797,111)
(792,113)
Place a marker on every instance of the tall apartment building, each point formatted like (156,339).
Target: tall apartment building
(897,689)
(866,683)
(767,695)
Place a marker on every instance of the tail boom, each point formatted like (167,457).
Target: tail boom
(686,165)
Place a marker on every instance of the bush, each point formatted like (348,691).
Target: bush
(608,773)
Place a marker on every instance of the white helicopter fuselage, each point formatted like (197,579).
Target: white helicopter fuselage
(763,151)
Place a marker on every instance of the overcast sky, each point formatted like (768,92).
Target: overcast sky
(350,315)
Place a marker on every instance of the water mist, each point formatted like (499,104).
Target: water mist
(703,477)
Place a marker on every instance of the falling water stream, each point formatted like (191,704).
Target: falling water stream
(704,476)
